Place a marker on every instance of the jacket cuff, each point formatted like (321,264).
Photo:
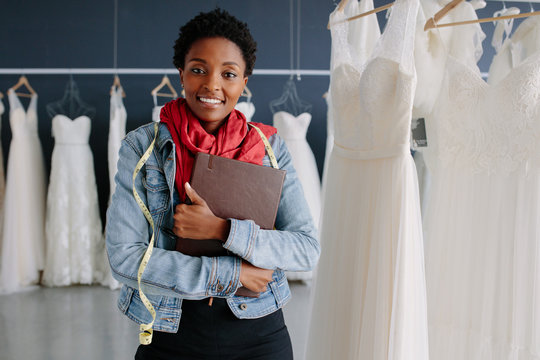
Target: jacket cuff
(242,237)
(225,276)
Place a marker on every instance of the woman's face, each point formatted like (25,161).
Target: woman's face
(213,79)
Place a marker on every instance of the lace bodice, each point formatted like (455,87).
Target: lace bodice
(488,128)
(71,132)
(373,101)
(23,123)
(292,127)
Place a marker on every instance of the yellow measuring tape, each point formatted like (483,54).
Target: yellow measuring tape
(268,147)
(145,335)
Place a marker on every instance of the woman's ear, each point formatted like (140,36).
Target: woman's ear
(181,71)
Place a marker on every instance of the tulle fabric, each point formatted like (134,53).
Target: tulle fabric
(23,238)
(370,298)
(481,218)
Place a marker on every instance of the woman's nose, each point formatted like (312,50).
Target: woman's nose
(213,82)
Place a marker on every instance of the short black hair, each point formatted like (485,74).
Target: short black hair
(216,23)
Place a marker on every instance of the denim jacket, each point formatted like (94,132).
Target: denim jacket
(171,276)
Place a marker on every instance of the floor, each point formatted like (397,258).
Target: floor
(83,323)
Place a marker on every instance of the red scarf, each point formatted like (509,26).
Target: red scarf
(234,140)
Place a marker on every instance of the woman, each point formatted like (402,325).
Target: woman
(214,54)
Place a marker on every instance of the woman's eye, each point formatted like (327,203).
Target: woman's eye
(229,74)
(197,71)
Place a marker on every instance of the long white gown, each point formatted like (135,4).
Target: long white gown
(23,238)
(370,296)
(117,132)
(2,183)
(292,130)
(73,224)
(482,222)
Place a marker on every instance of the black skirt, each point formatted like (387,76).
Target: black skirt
(213,332)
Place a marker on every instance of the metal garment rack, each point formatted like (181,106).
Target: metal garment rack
(143,71)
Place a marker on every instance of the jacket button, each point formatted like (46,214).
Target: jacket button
(243,306)
(220,288)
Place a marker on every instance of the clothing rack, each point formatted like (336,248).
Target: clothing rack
(142,71)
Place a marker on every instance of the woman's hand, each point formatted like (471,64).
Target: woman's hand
(254,278)
(196,221)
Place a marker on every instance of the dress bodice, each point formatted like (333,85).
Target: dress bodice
(23,123)
(488,127)
(246,108)
(373,101)
(292,127)
(71,132)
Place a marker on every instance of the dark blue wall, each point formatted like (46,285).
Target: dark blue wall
(79,34)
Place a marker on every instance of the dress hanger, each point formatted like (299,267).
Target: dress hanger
(247,94)
(117,85)
(71,104)
(23,81)
(289,101)
(433,22)
(165,82)
(374,11)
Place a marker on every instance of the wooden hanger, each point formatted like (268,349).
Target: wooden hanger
(23,81)
(433,21)
(116,85)
(374,11)
(165,82)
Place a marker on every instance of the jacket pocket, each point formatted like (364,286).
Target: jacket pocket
(157,190)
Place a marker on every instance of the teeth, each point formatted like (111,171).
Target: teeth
(210,101)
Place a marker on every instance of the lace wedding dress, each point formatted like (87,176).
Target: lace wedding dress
(292,130)
(370,296)
(73,224)
(23,238)
(481,221)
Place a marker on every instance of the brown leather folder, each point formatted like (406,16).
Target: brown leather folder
(237,190)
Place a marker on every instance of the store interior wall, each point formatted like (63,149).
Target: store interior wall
(80,34)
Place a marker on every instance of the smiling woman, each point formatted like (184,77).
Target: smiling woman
(214,54)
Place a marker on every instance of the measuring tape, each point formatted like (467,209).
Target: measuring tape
(145,335)
(267,146)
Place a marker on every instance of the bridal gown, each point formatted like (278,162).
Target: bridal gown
(481,221)
(246,108)
(73,224)
(363,36)
(292,130)
(117,132)
(2,182)
(369,296)
(23,238)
